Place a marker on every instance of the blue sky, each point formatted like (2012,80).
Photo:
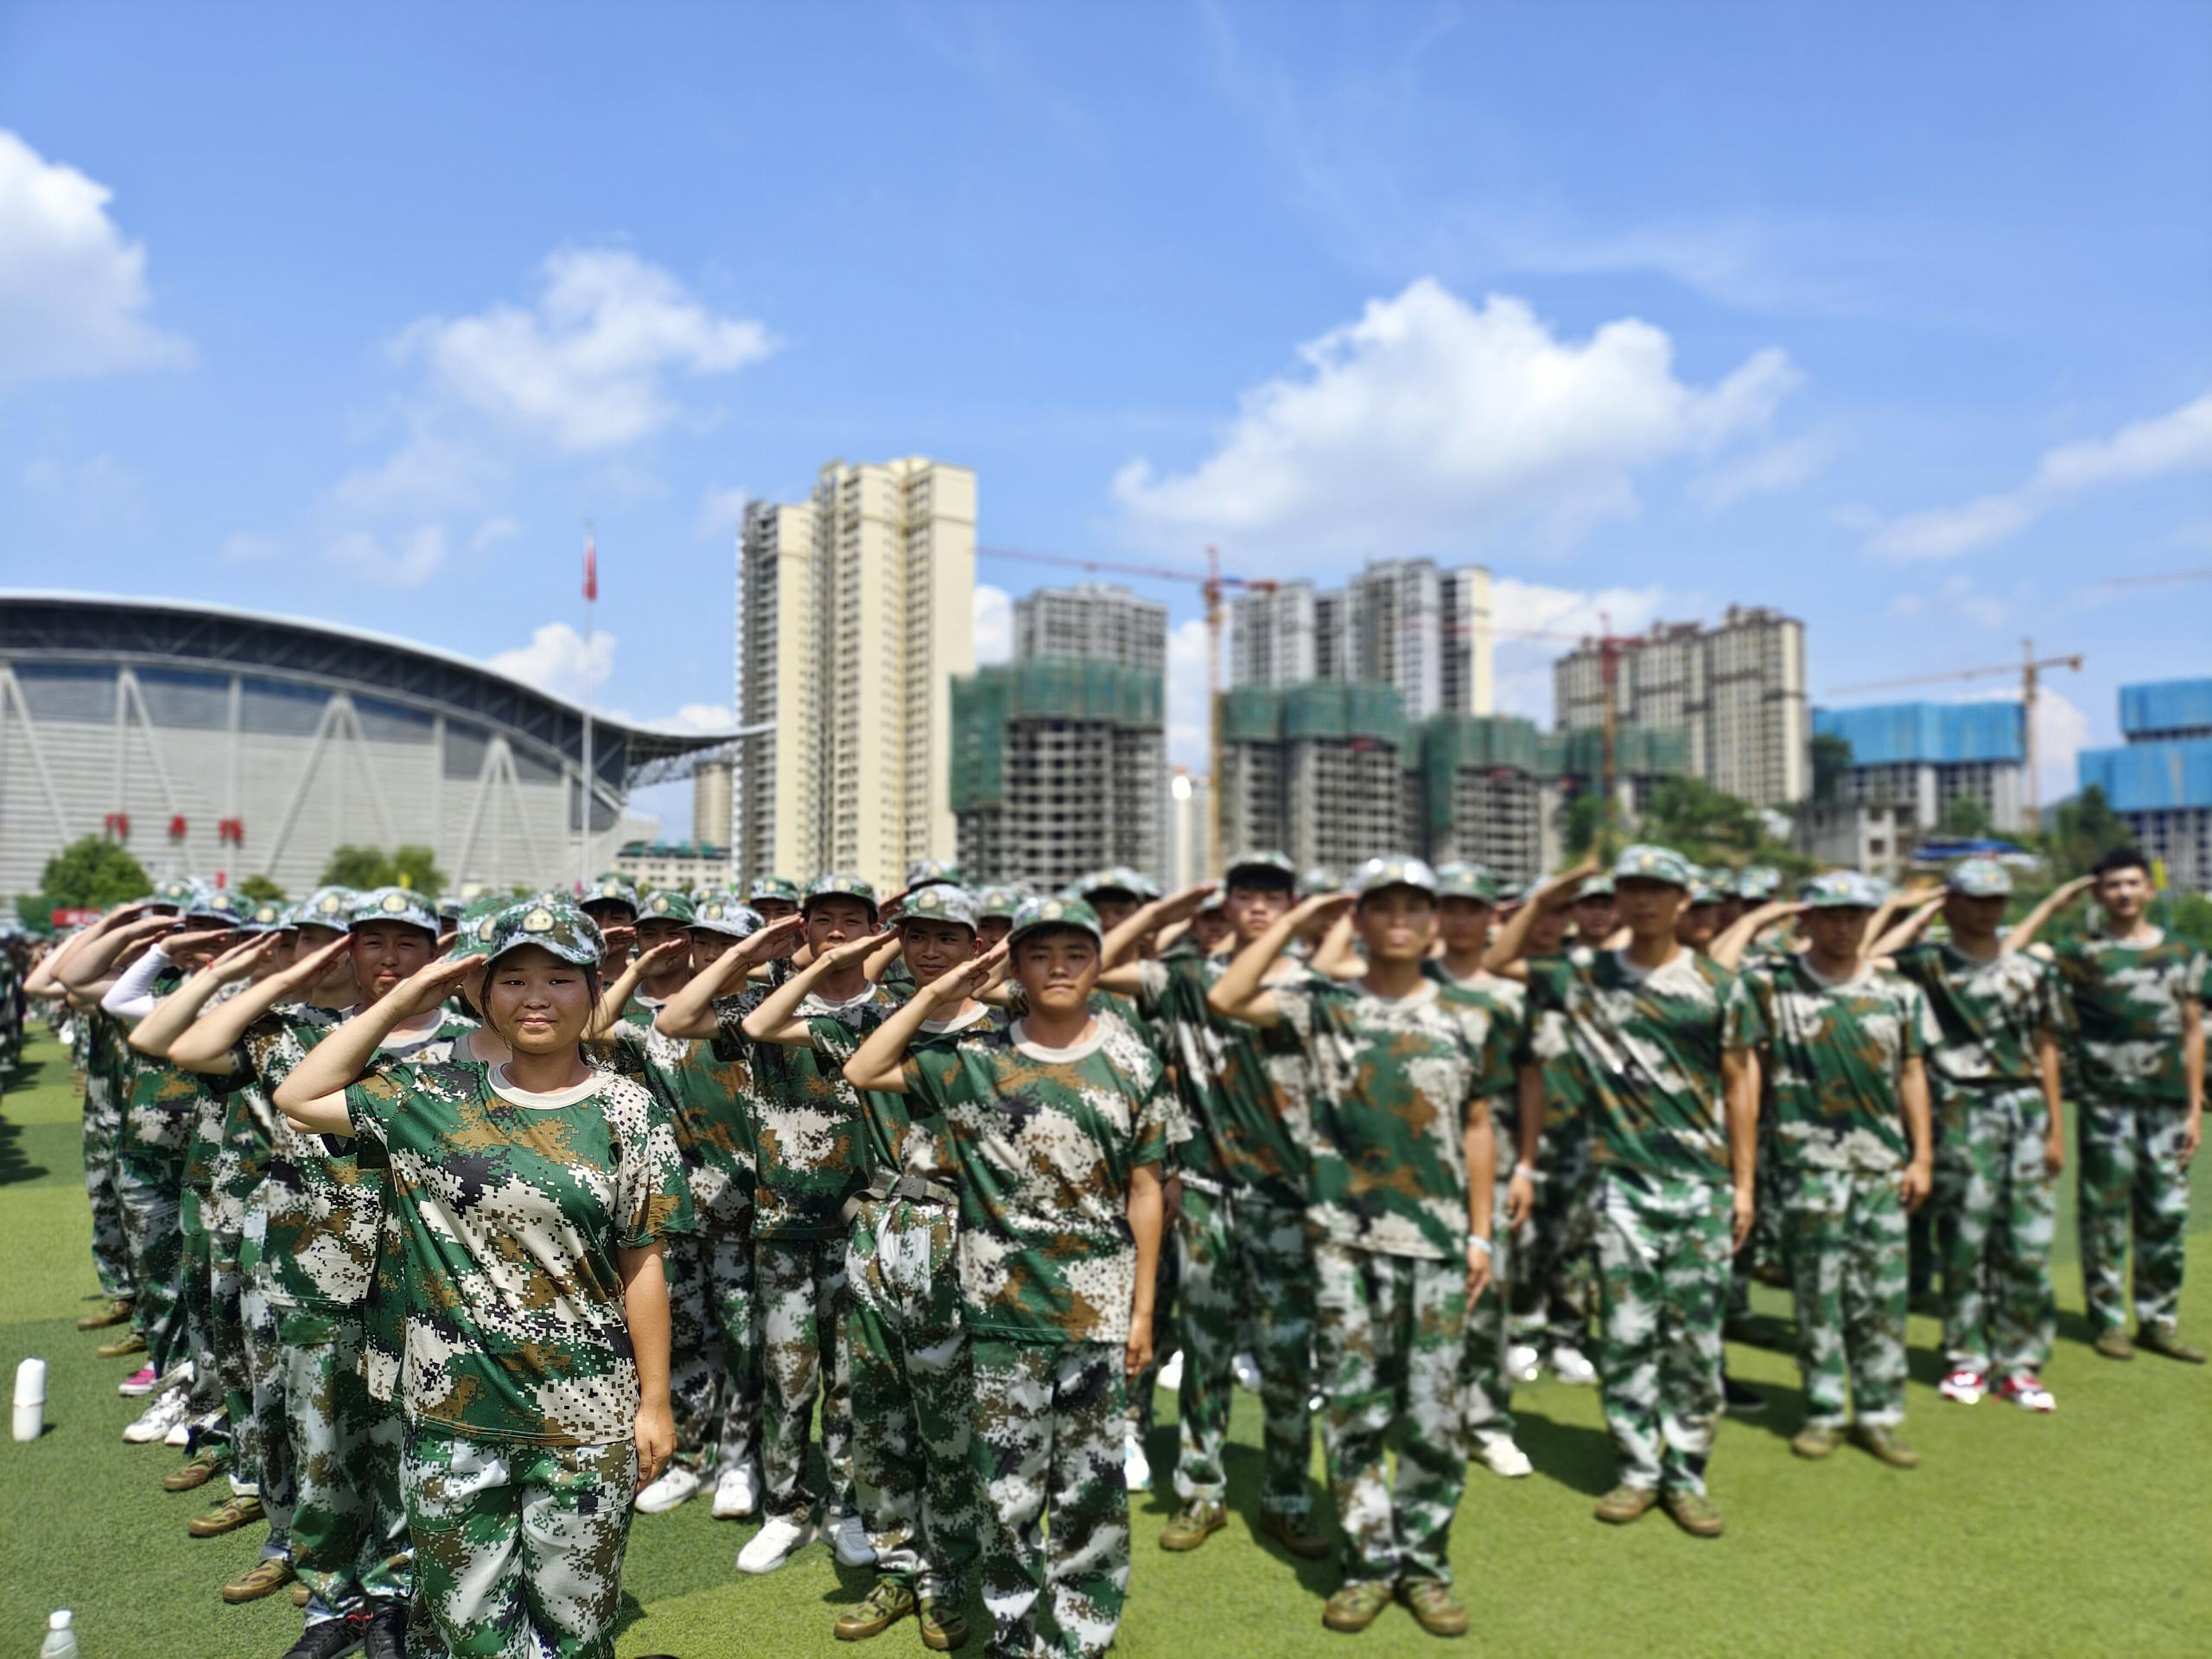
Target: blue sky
(1896,318)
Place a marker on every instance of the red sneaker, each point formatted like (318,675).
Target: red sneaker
(2026,1390)
(1964,1386)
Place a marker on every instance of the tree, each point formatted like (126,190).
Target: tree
(261,890)
(1965,817)
(417,868)
(1703,822)
(1831,757)
(91,874)
(363,867)
(1584,821)
(2081,831)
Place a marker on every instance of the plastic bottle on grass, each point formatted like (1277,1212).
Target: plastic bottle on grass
(60,1640)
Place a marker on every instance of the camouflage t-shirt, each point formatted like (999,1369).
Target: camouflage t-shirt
(1988,1013)
(2127,1010)
(161,1102)
(808,1132)
(1229,1082)
(513,1207)
(1045,1141)
(898,1144)
(1506,1002)
(1836,1050)
(1393,1079)
(707,1099)
(1649,1044)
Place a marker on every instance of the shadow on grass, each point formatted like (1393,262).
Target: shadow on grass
(13,1165)
(1244,1468)
(1573,1455)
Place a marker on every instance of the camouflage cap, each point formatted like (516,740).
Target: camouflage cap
(220,904)
(1840,890)
(1119,879)
(997,902)
(928,872)
(1322,878)
(1037,913)
(610,889)
(480,922)
(269,917)
(1380,873)
(940,903)
(1646,863)
(330,908)
(1978,878)
(1708,886)
(1595,886)
(556,926)
(1262,862)
(1758,883)
(840,884)
(180,891)
(394,905)
(724,914)
(1460,880)
(772,887)
(667,906)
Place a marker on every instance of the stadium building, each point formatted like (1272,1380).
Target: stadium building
(216,741)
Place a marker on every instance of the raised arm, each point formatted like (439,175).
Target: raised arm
(44,977)
(1736,938)
(176,1012)
(206,1044)
(86,973)
(313,1096)
(775,1021)
(690,1014)
(1896,899)
(879,1064)
(616,996)
(1120,945)
(1241,992)
(1512,941)
(2023,933)
(1333,957)
(1906,933)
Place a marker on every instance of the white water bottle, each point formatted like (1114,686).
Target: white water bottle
(30,1399)
(60,1640)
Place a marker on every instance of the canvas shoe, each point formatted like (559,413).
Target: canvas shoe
(2026,1390)
(676,1485)
(889,1601)
(778,1539)
(737,1494)
(130,1342)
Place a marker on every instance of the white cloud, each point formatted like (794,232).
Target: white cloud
(1190,711)
(556,660)
(242,547)
(1521,674)
(993,625)
(88,497)
(1776,467)
(429,472)
(73,298)
(1429,421)
(722,512)
(402,561)
(492,532)
(587,364)
(2157,447)
(699,717)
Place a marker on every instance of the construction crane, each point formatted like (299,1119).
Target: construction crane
(1211,582)
(2029,668)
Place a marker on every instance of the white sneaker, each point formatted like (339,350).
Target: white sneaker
(1501,1456)
(1245,1371)
(676,1483)
(1965,1385)
(155,1423)
(1314,1404)
(1573,1365)
(1136,1468)
(737,1494)
(849,1538)
(774,1544)
(1171,1374)
(1523,1362)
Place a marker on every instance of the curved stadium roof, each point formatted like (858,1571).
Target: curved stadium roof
(60,626)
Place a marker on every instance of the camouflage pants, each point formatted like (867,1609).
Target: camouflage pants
(149,1183)
(112,1257)
(2133,1181)
(1389,1332)
(233,1361)
(1486,1386)
(1998,1307)
(196,1292)
(1167,1333)
(1245,1256)
(520,1547)
(1551,1250)
(1050,1418)
(914,1396)
(801,1283)
(694,1352)
(349,1532)
(269,1462)
(1847,1254)
(727,1259)
(1663,1248)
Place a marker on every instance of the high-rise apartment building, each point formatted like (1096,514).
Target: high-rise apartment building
(854,611)
(1095,619)
(1737,691)
(1921,757)
(2160,779)
(1187,856)
(1402,623)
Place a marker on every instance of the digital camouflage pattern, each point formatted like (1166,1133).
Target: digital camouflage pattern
(1998,1312)
(1393,1080)
(99,1037)
(2127,1001)
(1485,1385)
(1242,1140)
(349,1531)
(1988,1013)
(800,1283)
(1048,1430)
(1837,1050)
(1552,1289)
(1649,1047)
(513,1209)
(1664,1250)
(1847,1268)
(519,1548)
(1046,1140)
(1390,1335)
(2133,1183)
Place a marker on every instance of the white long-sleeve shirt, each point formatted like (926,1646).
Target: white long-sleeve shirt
(131,997)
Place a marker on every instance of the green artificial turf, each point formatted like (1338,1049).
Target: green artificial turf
(2086,1532)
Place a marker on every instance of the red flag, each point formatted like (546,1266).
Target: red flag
(591,571)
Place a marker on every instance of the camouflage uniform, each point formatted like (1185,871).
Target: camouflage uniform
(99,1041)
(1552,1250)
(519,1390)
(1991,1123)
(1387,1207)
(1241,1230)
(159,1102)
(2127,1005)
(1836,1051)
(1046,1142)
(1650,1044)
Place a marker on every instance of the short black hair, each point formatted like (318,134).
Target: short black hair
(2120,858)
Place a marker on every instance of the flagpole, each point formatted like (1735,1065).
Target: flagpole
(583,816)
